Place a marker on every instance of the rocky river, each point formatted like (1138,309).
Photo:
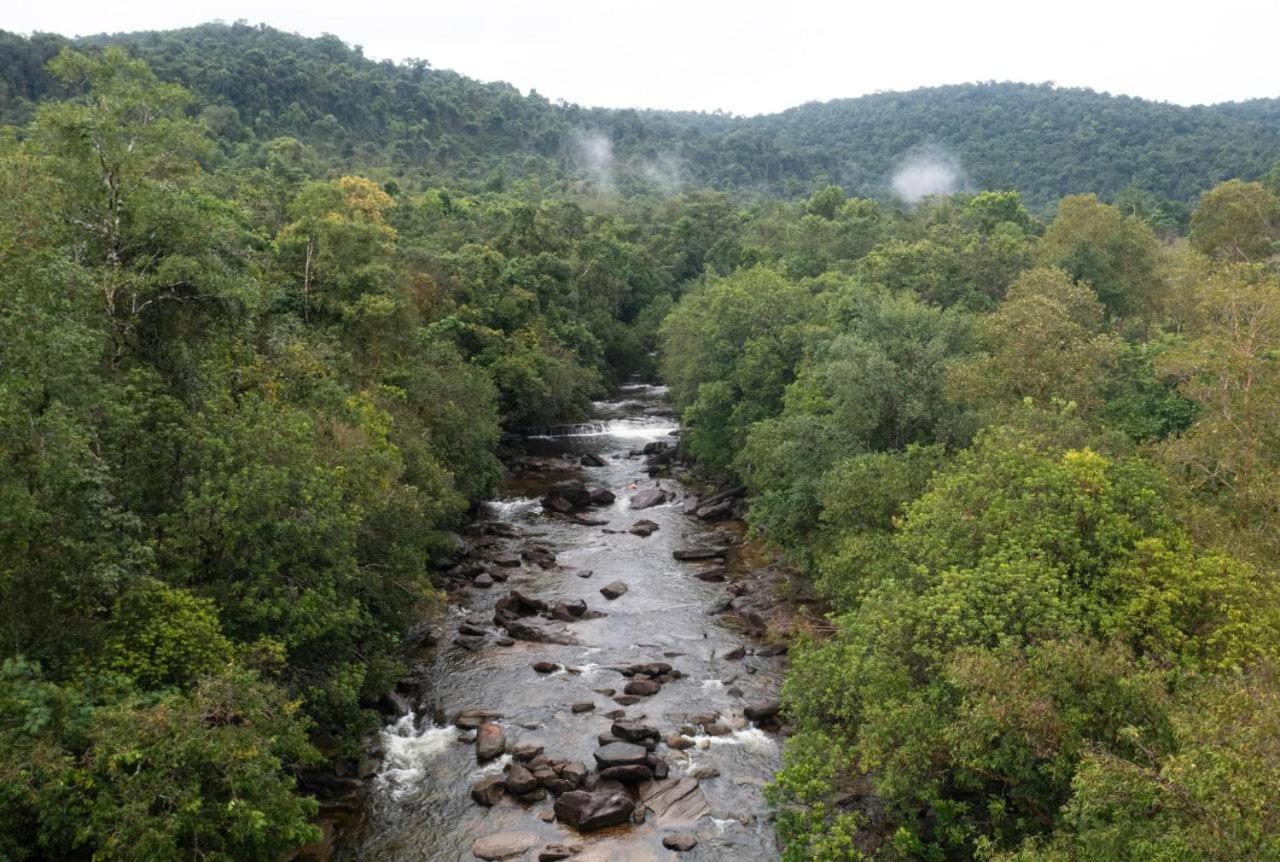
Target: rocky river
(598,687)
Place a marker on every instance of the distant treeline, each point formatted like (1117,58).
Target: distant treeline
(252,84)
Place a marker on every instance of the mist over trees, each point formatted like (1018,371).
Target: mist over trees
(267,308)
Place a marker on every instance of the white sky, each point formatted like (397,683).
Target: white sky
(753,57)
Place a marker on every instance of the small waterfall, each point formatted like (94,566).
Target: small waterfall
(578,429)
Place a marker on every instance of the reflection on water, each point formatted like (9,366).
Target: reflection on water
(420,807)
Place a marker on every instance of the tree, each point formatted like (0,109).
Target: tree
(1236,221)
(1045,343)
(1113,253)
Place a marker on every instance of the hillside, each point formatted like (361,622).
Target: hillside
(253,83)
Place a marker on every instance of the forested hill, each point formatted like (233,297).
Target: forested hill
(253,84)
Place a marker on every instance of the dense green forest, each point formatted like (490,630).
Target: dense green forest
(251,85)
(1032,470)
(267,307)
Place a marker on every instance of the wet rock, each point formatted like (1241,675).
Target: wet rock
(602,497)
(470,642)
(704,718)
(736,653)
(677,742)
(545,666)
(540,555)
(487,791)
(703,553)
(652,668)
(504,845)
(473,630)
(630,773)
(394,703)
(679,841)
(548,816)
(634,731)
(507,560)
(626,700)
(519,779)
(717,728)
(491,741)
(654,447)
(719,511)
(603,739)
(582,706)
(574,771)
(570,490)
(643,528)
(557,504)
(591,459)
(527,630)
(522,604)
(675,801)
(769,650)
(526,750)
(691,506)
(705,773)
(587,811)
(556,852)
(584,573)
(613,590)
(713,575)
(648,498)
(642,687)
(584,521)
(575,607)
(619,754)
(762,710)
(504,641)
(484,581)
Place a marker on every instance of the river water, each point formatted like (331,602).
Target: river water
(420,807)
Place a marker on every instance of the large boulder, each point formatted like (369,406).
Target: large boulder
(602,496)
(487,791)
(491,742)
(587,811)
(519,779)
(648,498)
(570,490)
(642,687)
(620,754)
(762,710)
(634,731)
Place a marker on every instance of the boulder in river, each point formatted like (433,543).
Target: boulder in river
(471,719)
(642,687)
(487,791)
(634,731)
(602,496)
(587,811)
(545,667)
(519,779)
(613,590)
(620,754)
(679,841)
(570,490)
(648,498)
(762,710)
(643,528)
(706,553)
(504,845)
(721,510)
(490,741)
(591,459)
(713,575)
(630,773)
(528,630)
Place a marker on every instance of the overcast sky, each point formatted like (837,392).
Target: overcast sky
(753,57)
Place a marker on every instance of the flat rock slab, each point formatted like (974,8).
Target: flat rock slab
(504,845)
(707,553)
(675,802)
(620,753)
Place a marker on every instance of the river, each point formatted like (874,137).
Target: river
(419,805)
